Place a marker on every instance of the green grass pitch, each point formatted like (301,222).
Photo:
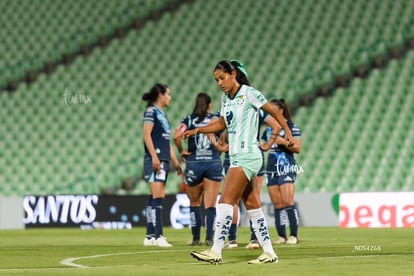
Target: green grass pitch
(321,251)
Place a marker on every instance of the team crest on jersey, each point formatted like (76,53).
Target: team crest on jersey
(240,100)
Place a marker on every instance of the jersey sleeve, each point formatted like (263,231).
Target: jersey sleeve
(149,115)
(256,98)
(263,116)
(266,134)
(295,132)
(183,126)
(222,112)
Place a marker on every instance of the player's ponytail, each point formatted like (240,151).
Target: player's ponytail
(201,106)
(241,72)
(152,95)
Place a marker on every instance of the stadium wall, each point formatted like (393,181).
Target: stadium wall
(11,212)
(125,212)
(355,210)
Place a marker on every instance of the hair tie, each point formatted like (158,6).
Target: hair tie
(240,66)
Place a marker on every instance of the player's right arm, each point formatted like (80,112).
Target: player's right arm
(177,141)
(217,126)
(156,165)
(275,126)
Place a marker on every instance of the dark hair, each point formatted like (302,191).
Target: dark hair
(201,106)
(152,95)
(228,66)
(281,103)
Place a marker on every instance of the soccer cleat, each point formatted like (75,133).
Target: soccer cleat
(231,244)
(209,242)
(149,241)
(253,244)
(264,258)
(194,242)
(162,242)
(280,240)
(207,256)
(292,240)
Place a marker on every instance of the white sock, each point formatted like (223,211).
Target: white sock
(260,229)
(223,224)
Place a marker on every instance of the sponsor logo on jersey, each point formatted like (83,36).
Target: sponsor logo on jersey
(229,117)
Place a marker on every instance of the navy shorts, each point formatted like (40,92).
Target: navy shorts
(262,171)
(149,174)
(195,172)
(226,165)
(276,179)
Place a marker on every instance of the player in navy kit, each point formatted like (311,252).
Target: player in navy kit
(158,153)
(281,173)
(203,168)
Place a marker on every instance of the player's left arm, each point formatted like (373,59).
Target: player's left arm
(271,109)
(294,146)
(276,128)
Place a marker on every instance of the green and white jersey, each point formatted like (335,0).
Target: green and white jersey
(241,114)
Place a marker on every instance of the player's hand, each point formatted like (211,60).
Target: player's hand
(264,147)
(188,133)
(289,139)
(178,168)
(156,164)
(220,146)
(184,155)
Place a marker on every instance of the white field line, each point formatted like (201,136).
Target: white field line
(70,261)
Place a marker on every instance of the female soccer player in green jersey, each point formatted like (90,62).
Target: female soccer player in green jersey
(240,115)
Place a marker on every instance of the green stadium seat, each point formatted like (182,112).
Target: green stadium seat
(283,53)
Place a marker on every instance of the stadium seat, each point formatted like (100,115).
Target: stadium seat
(283,53)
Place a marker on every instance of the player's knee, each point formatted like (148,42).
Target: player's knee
(250,205)
(278,205)
(286,203)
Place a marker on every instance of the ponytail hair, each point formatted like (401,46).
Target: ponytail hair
(152,95)
(227,66)
(201,106)
(281,103)
(241,72)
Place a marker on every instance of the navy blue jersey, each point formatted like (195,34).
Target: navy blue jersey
(160,134)
(200,146)
(280,159)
